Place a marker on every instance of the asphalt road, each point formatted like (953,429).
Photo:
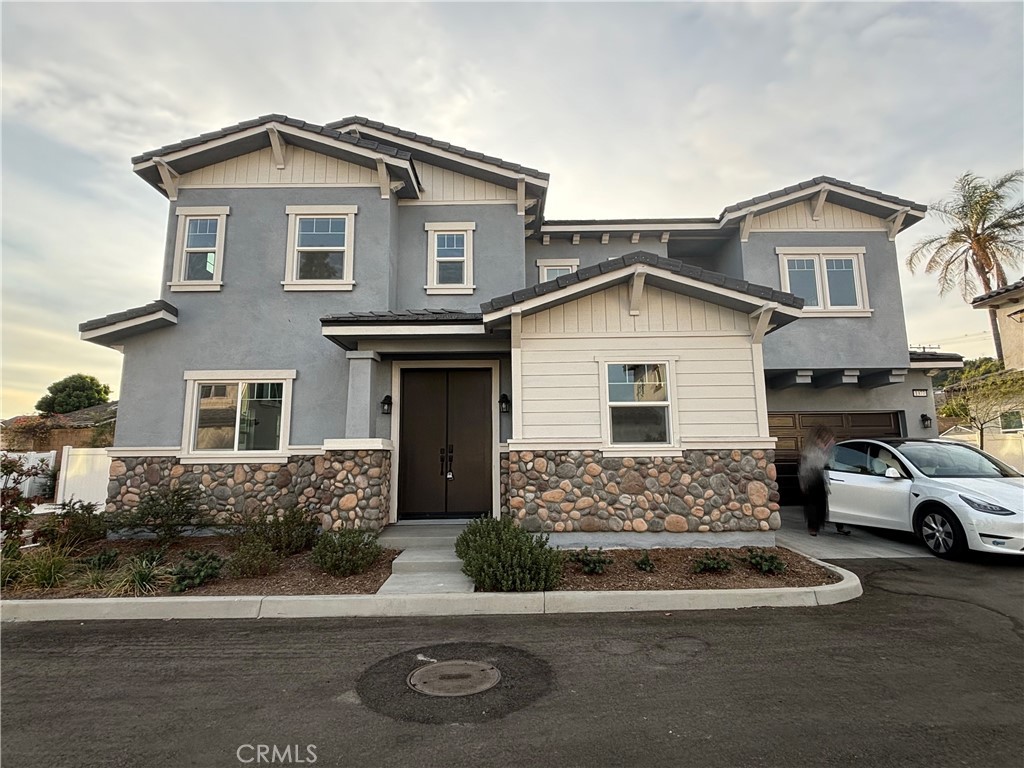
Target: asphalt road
(926,669)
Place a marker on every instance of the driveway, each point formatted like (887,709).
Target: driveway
(862,543)
(926,669)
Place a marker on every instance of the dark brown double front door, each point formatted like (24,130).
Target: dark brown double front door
(444,465)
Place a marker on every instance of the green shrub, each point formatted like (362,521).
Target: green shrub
(254,557)
(11,570)
(80,521)
(46,567)
(499,556)
(165,511)
(15,509)
(287,534)
(101,561)
(645,563)
(195,569)
(711,563)
(591,562)
(141,575)
(346,552)
(765,562)
(94,578)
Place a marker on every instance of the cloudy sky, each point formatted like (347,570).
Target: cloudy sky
(666,109)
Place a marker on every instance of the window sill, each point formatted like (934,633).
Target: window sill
(455,290)
(318,285)
(838,312)
(233,457)
(186,286)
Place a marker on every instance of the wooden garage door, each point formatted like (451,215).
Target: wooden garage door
(791,428)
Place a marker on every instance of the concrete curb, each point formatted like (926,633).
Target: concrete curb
(469,604)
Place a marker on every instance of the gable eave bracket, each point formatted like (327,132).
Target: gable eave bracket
(759,320)
(168,176)
(521,195)
(636,290)
(818,206)
(384,179)
(745,225)
(896,221)
(276,146)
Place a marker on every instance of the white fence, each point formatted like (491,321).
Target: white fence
(1007,446)
(36,486)
(84,473)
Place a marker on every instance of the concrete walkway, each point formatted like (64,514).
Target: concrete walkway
(428,564)
(862,543)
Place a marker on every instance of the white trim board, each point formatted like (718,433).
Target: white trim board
(123,325)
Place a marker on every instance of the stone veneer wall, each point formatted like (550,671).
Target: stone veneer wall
(701,491)
(346,488)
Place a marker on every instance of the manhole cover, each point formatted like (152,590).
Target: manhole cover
(454,678)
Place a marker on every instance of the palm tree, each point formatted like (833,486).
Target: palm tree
(982,242)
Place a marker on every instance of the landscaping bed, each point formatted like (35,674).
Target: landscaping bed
(674,569)
(296,575)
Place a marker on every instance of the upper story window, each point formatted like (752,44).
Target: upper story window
(320,248)
(830,280)
(549,269)
(638,403)
(237,412)
(1011,421)
(199,248)
(450,257)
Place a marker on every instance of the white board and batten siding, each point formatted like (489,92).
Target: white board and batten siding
(798,217)
(443,185)
(302,167)
(715,389)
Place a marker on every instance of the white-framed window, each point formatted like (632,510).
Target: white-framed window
(1011,421)
(549,269)
(236,414)
(450,257)
(321,248)
(199,248)
(637,402)
(830,280)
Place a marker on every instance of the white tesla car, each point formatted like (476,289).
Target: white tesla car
(952,495)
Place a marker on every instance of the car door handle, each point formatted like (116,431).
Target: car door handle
(837,480)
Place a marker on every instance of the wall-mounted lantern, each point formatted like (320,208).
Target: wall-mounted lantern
(926,421)
(504,403)
(385,405)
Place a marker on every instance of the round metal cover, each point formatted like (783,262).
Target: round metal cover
(454,678)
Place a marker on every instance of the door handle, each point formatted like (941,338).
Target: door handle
(451,459)
(837,480)
(442,461)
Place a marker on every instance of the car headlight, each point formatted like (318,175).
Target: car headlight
(984,506)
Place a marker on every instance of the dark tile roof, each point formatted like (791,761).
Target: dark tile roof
(643,257)
(815,182)
(330,133)
(405,316)
(999,291)
(917,356)
(92,416)
(356,120)
(129,314)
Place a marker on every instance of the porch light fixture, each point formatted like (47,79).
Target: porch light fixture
(385,405)
(504,403)
(926,421)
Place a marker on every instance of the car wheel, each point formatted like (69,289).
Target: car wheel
(941,532)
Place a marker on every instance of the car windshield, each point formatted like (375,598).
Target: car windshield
(946,460)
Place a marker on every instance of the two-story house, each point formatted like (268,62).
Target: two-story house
(380,326)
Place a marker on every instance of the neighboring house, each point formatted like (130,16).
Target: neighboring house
(1008,302)
(91,427)
(382,326)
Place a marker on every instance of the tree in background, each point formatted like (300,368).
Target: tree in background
(982,241)
(72,394)
(979,366)
(981,399)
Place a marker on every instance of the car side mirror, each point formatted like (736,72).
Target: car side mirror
(893,473)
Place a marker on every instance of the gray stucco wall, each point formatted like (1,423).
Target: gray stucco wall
(879,341)
(497,254)
(729,259)
(895,397)
(589,252)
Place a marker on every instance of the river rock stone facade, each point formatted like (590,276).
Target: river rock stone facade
(345,489)
(700,491)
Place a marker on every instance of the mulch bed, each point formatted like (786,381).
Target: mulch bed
(673,569)
(296,576)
